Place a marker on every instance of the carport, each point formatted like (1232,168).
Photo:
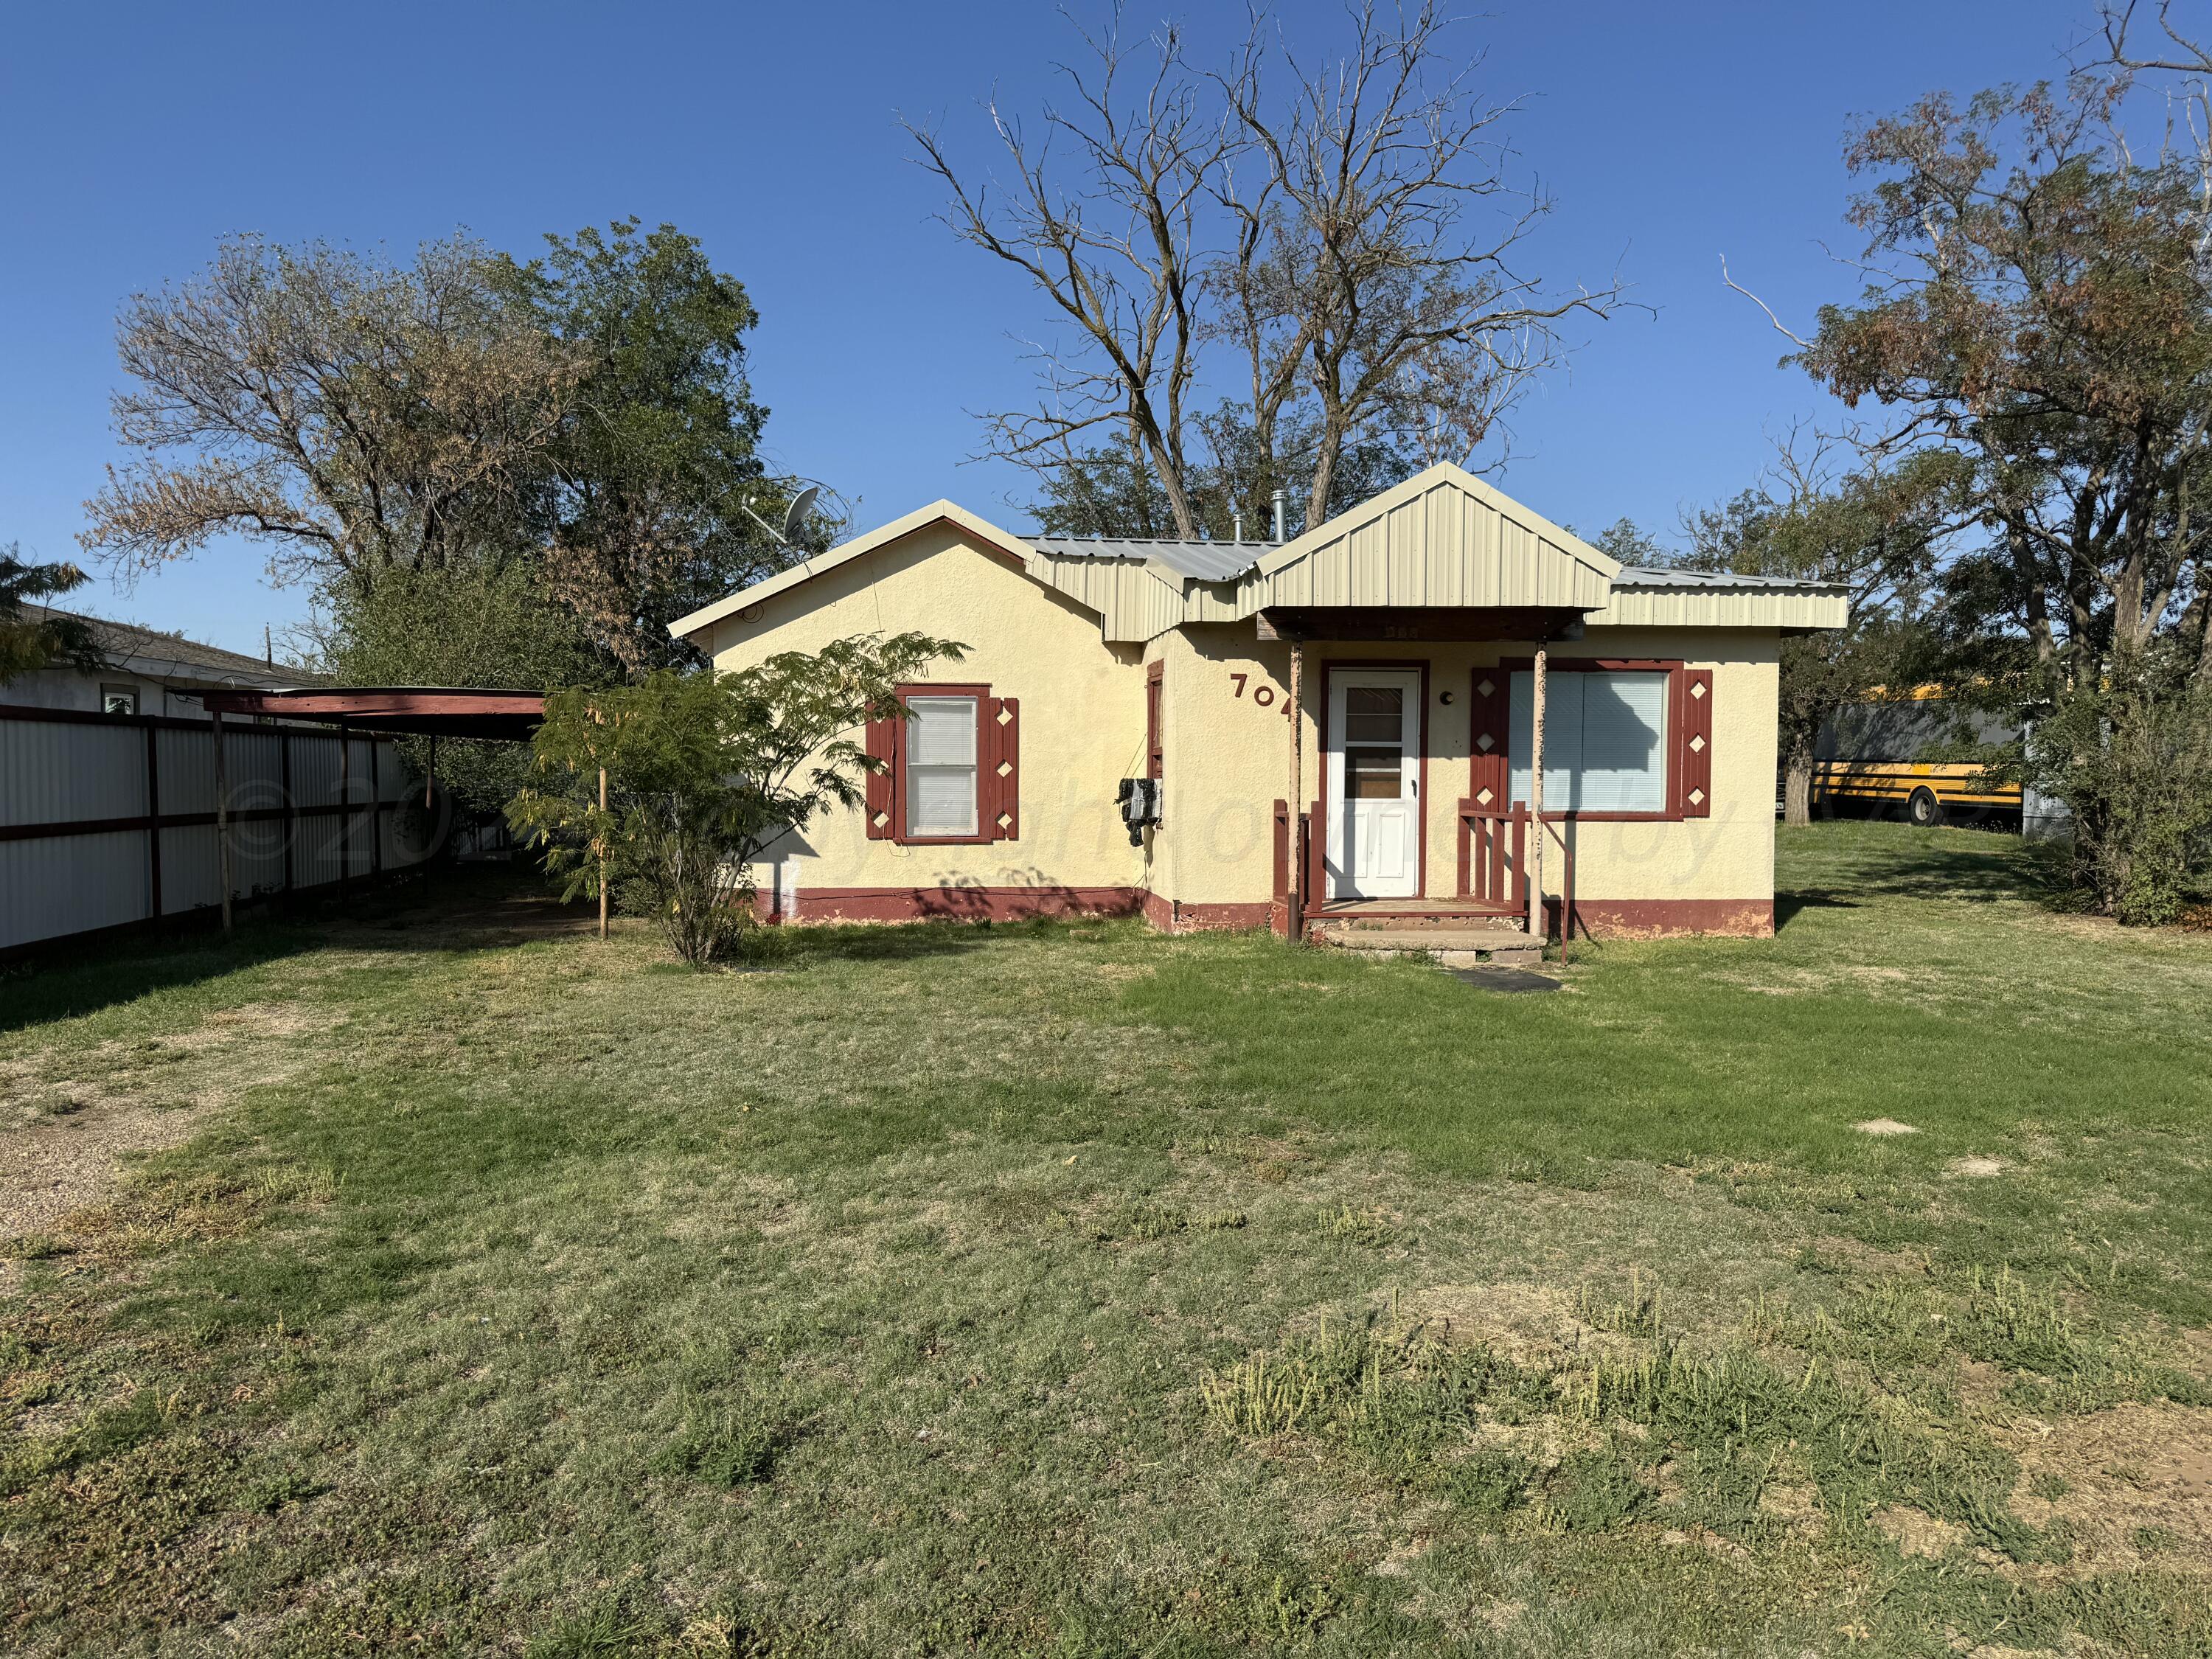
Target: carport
(387,710)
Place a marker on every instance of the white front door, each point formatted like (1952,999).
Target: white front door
(1374,783)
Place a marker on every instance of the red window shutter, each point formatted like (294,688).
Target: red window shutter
(1001,784)
(1490,776)
(883,744)
(1153,767)
(1694,751)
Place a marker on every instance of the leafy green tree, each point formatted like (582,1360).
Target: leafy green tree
(2043,317)
(478,622)
(655,460)
(28,642)
(1878,535)
(704,772)
(353,417)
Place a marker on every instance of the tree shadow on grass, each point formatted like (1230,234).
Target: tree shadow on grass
(457,910)
(1788,905)
(67,983)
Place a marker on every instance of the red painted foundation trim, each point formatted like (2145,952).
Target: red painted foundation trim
(1180,918)
(1594,918)
(953,904)
(1599,918)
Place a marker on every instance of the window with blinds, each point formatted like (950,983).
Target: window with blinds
(940,766)
(1605,741)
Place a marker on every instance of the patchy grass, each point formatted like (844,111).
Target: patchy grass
(1068,1290)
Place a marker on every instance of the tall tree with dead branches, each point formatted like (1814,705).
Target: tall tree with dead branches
(1387,240)
(349,416)
(1345,228)
(1118,254)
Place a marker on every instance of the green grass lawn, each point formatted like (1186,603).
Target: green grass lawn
(1069,1290)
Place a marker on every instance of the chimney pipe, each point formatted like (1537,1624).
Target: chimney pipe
(1282,512)
(1236,518)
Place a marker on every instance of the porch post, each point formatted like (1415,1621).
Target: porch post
(221,820)
(1536,928)
(1295,903)
(603,853)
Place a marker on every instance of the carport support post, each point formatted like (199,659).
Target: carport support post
(221,819)
(1536,929)
(603,852)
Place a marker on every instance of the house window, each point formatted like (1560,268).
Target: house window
(1154,758)
(940,767)
(119,699)
(949,770)
(1605,740)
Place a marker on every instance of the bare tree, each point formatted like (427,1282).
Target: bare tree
(1397,239)
(353,415)
(1355,240)
(1118,256)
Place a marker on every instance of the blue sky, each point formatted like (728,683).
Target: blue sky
(132,137)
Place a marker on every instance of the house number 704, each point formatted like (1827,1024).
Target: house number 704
(1262,694)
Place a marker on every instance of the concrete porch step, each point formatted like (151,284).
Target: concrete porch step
(1455,947)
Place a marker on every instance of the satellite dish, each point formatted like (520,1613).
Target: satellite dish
(794,517)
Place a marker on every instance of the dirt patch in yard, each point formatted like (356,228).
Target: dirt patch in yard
(2133,1483)
(72,1120)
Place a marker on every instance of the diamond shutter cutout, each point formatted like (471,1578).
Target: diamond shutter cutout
(1002,760)
(1693,751)
(882,743)
(1489,773)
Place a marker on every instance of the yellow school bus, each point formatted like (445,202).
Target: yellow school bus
(1864,761)
(1929,792)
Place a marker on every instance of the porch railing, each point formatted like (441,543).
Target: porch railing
(1493,859)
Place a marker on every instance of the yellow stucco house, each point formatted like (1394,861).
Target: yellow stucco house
(1411,625)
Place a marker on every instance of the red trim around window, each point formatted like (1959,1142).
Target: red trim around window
(1154,675)
(988,790)
(1314,898)
(1688,770)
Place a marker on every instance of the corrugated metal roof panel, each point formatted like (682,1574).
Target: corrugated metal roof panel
(1650,576)
(1206,562)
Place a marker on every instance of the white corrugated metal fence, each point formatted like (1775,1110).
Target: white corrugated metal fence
(110,820)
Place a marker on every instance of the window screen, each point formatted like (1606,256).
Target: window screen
(1605,737)
(940,767)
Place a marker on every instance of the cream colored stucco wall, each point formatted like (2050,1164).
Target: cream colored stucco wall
(1225,743)
(1082,714)
(1227,759)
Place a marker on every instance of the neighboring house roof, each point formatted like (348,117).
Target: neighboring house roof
(128,649)
(1441,539)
